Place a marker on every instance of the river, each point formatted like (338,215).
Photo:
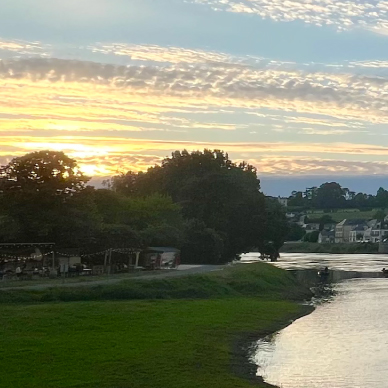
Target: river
(344,342)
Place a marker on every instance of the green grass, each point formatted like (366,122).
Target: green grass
(364,215)
(142,344)
(186,340)
(340,214)
(257,279)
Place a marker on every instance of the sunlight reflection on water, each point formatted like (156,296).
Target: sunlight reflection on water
(342,344)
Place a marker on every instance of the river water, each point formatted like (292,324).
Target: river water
(344,342)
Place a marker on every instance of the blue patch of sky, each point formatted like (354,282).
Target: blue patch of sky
(177,23)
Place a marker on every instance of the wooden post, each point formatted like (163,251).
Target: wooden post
(137,259)
(105,259)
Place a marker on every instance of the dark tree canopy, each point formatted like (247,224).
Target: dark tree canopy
(50,172)
(220,199)
(43,193)
(201,202)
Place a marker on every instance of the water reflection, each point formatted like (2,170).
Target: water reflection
(343,343)
(341,262)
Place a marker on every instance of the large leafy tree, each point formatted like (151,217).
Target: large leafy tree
(222,199)
(44,194)
(46,172)
(330,195)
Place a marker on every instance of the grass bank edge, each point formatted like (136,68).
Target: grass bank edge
(253,280)
(241,365)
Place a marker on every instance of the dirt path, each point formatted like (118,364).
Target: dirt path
(183,270)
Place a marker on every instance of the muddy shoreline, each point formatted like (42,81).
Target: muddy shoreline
(241,364)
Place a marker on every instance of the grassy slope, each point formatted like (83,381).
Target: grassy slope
(144,344)
(241,280)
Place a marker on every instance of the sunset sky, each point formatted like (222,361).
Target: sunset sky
(297,88)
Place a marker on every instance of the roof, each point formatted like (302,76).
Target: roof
(27,245)
(352,222)
(359,228)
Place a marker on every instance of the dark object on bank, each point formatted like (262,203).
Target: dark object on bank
(385,272)
(324,273)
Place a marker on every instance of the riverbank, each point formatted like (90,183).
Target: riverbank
(306,247)
(178,332)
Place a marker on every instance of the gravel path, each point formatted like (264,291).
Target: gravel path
(183,270)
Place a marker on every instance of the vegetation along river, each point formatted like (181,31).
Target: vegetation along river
(344,342)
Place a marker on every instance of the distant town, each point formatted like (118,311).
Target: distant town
(331,214)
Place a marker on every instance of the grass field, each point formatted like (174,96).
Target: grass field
(341,214)
(258,279)
(170,343)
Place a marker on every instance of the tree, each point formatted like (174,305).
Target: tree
(295,233)
(275,229)
(210,188)
(330,195)
(381,198)
(311,237)
(47,172)
(43,193)
(202,245)
(297,199)
(138,221)
(379,215)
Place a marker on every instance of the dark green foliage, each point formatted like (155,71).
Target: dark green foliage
(201,202)
(225,211)
(44,198)
(296,232)
(331,196)
(202,245)
(379,215)
(311,237)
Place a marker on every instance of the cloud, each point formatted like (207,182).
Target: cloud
(106,156)
(68,85)
(159,54)
(280,165)
(22,47)
(341,14)
(112,117)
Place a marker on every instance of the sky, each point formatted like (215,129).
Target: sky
(297,88)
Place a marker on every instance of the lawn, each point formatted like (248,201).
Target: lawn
(160,333)
(134,344)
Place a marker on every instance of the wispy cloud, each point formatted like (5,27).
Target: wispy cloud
(70,84)
(107,155)
(160,54)
(342,14)
(280,165)
(101,113)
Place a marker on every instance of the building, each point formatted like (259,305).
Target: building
(343,229)
(357,233)
(377,232)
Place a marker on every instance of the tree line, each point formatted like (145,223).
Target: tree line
(201,202)
(331,195)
